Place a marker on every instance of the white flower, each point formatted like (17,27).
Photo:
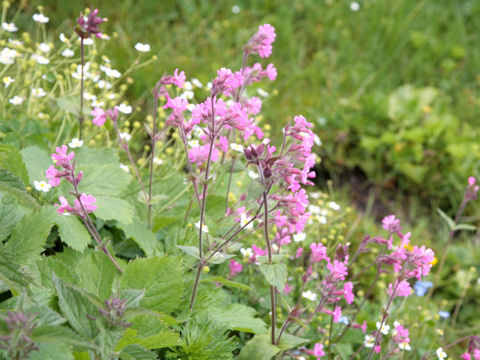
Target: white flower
(38,92)
(369,341)
(244,219)
(42,60)
(262,92)
(253,174)
(157,161)
(40,18)
(124,168)
(275,247)
(88,96)
(235,9)
(316,140)
(98,103)
(110,72)
(404,346)
(354,6)
(309,295)
(75,143)
(385,328)
(102,84)
(237,147)
(15,42)
(204,227)
(68,53)
(299,237)
(441,354)
(104,37)
(125,136)
(7,80)
(193,143)
(63,38)
(209,85)
(124,108)
(88,41)
(42,186)
(322,219)
(142,47)
(334,206)
(187,95)
(78,73)
(314,209)
(188,86)
(7,56)
(197,83)
(43,47)
(16,100)
(10,27)
(247,253)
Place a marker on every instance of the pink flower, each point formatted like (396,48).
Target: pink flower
(471,181)
(466,356)
(258,251)
(319,253)
(179,78)
(476,354)
(348,292)
(337,313)
(391,224)
(261,42)
(338,270)
(52,175)
(235,267)
(271,72)
(299,252)
(253,105)
(99,116)
(317,351)
(61,157)
(288,288)
(377,349)
(88,202)
(63,206)
(403,289)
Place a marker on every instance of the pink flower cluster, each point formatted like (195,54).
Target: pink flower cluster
(317,351)
(83,203)
(100,115)
(261,42)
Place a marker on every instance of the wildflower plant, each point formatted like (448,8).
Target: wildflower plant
(194,235)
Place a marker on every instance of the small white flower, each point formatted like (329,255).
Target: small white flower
(237,147)
(315,195)
(75,143)
(7,80)
(15,42)
(334,206)
(38,92)
(235,9)
(88,41)
(209,85)
(262,92)
(104,37)
(354,6)
(42,186)
(124,168)
(204,227)
(43,47)
(157,160)
(441,354)
(244,219)
(102,84)
(16,100)
(247,253)
(188,86)
(40,18)
(253,174)
(142,47)
(275,247)
(299,237)
(125,136)
(369,341)
(404,346)
(68,53)
(309,295)
(63,38)
(193,143)
(314,209)
(385,328)
(111,72)
(190,107)
(7,56)
(187,95)
(98,103)
(42,60)
(322,219)
(10,27)
(89,96)
(124,108)
(316,140)
(197,83)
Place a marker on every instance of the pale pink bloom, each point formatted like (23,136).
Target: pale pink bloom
(338,270)
(391,224)
(317,351)
(271,72)
(287,289)
(299,252)
(253,105)
(466,356)
(235,267)
(99,116)
(348,292)
(179,78)
(471,181)
(52,176)
(403,289)
(88,202)
(63,206)
(377,349)
(337,314)
(261,42)
(476,354)
(61,157)
(319,253)
(258,251)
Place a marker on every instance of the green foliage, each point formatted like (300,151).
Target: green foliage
(276,274)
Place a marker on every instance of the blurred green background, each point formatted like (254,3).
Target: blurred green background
(392,86)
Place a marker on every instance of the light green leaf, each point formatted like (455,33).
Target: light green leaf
(226,282)
(11,160)
(89,156)
(37,162)
(220,258)
(9,216)
(240,318)
(112,208)
(450,223)
(52,351)
(276,274)
(136,352)
(160,340)
(162,279)
(60,334)
(259,348)
(465,227)
(190,250)
(73,232)
(288,341)
(71,104)
(145,239)
(96,273)
(10,272)
(105,180)
(13,186)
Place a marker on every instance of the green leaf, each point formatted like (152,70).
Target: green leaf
(450,223)
(288,341)
(73,232)
(96,273)
(276,274)
(259,348)
(105,180)
(71,104)
(9,216)
(226,282)
(11,160)
(145,239)
(240,318)
(157,341)
(75,307)
(112,208)
(254,190)
(190,250)
(30,235)
(220,258)
(36,161)
(10,272)
(162,279)
(89,156)
(52,351)
(464,227)
(161,221)
(13,186)
(136,352)
(57,334)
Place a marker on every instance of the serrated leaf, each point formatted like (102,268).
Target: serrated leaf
(240,318)
(226,282)
(162,279)
(52,351)
(259,348)
(57,334)
(73,232)
(11,160)
(132,297)
(9,216)
(160,222)
(13,186)
(10,272)
(30,235)
(190,250)
(450,223)
(464,227)
(276,274)
(75,307)
(145,239)
(96,273)
(136,352)
(112,208)
(104,180)
(36,161)
(162,339)
(288,341)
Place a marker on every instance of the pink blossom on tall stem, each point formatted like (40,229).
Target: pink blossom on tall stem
(88,25)
(61,157)
(319,253)
(338,270)
(99,116)
(402,289)
(88,202)
(391,224)
(235,267)
(348,292)
(63,206)
(317,351)
(52,174)
(261,42)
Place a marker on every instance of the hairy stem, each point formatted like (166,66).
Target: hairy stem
(80,117)
(152,156)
